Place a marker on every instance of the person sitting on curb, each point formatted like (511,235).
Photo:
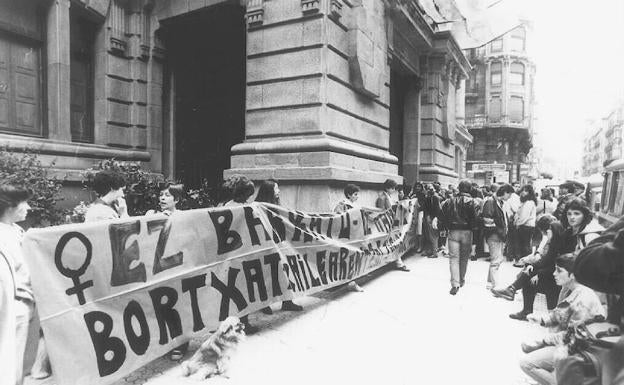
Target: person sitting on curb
(110,203)
(537,276)
(577,304)
(351,192)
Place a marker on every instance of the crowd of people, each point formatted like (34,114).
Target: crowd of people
(543,237)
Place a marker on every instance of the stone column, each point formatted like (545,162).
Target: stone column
(460,102)
(412,132)
(58,60)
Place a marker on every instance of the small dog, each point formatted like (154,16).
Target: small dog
(214,354)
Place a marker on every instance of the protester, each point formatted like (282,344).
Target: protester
(524,222)
(577,304)
(511,207)
(268,192)
(546,204)
(168,199)
(170,195)
(419,194)
(568,191)
(477,234)
(459,216)
(537,276)
(110,203)
(599,266)
(580,227)
(17,303)
(385,202)
(496,224)
(431,212)
(238,190)
(352,194)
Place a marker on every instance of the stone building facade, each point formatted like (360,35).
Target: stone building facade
(313,93)
(602,142)
(500,108)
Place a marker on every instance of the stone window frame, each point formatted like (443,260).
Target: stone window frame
(512,99)
(37,42)
(498,72)
(517,72)
(497,45)
(518,39)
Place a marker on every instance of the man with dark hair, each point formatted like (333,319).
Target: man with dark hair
(352,194)
(496,224)
(110,204)
(431,213)
(459,216)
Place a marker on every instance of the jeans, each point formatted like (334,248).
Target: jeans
(524,236)
(25,315)
(540,365)
(459,248)
(496,245)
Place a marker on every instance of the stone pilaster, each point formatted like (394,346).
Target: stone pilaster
(317,109)
(58,60)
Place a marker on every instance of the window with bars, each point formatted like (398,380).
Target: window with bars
(517,73)
(496,73)
(516,109)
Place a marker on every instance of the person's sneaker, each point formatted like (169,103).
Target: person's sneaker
(507,293)
(402,268)
(267,310)
(432,255)
(353,286)
(454,290)
(291,306)
(532,346)
(518,264)
(520,316)
(251,329)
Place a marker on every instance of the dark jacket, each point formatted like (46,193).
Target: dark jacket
(460,213)
(545,267)
(491,209)
(431,206)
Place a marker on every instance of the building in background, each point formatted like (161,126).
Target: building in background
(500,108)
(602,142)
(313,93)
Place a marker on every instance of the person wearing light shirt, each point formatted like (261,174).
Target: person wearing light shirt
(524,221)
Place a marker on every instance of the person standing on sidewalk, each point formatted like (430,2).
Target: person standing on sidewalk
(495,224)
(385,202)
(459,216)
(431,211)
(524,222)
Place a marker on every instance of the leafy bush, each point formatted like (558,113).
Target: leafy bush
(26,169)
(143,189)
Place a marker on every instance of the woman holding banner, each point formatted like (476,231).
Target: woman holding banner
(269,192)
(17,303)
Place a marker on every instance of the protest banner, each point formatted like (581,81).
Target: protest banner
(114,295)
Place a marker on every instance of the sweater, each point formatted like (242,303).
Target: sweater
(525,216)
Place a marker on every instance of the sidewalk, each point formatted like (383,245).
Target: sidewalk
(403,329)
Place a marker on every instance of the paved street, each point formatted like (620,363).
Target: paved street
(403,329)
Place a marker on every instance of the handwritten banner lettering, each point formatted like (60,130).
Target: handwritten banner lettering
(112,296)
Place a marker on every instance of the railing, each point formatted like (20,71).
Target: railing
(480,121)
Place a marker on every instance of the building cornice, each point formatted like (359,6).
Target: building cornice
(445,43)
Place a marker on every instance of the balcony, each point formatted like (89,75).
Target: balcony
(482,121)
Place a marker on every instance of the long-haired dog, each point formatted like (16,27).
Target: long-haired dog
(214,354)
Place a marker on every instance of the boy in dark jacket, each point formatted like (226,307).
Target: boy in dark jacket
(459,216)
